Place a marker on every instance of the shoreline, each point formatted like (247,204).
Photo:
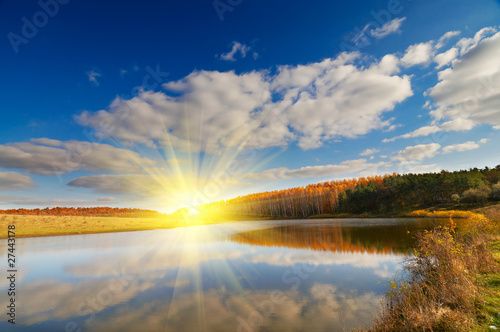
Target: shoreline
(100,225)
(30,226)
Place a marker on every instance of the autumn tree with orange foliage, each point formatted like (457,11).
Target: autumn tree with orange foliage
(299,202)
(383,195)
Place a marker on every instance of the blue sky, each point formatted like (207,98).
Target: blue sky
(164,104)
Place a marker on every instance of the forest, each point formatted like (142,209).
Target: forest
(379,195)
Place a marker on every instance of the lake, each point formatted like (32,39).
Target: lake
(294,275)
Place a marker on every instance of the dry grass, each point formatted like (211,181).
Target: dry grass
(441,214)
(34,226)
(492,212)
(442,289)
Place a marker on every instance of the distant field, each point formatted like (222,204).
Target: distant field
(34,226)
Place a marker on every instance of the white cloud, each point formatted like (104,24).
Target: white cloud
(470,90)
(237,47)
(425,53)
(69,156)
(460,147)
(388,28)
(392,127)
(93,75)
(417,152)
(379,32)
(369,152)
(216,110)
(445,38)
(466,44)
(418,54)
(458,124)
(470,145)
(445,58)
(483,140)
(335,99)
(422,131)
(15,181)
(345,167)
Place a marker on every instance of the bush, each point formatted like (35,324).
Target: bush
(479,195)
(495,192)
(440,291)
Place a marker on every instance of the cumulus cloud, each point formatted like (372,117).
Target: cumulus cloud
(417,152)
(469,92)
(335,99)
(237,48)
(388,28)
(445,58)
(418,54)
(15,181)
(345,167)
(369,152)
(212,110)
(69,156)
(425,53)
(466,44)
(470,145)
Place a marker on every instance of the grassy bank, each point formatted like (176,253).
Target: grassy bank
(452,283)
(413,214)
(35,226)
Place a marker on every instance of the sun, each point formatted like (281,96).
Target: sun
(190,174)
(193,211)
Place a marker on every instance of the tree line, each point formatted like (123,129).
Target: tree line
(84,211)
(374,195)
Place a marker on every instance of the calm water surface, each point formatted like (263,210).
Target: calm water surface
(301,275)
